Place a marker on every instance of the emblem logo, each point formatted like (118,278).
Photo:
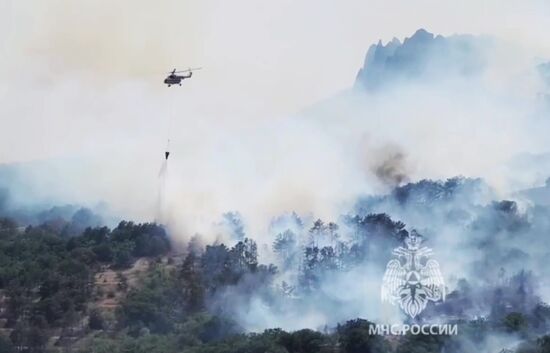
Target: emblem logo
(412,279)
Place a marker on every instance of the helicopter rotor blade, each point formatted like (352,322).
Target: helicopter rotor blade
(189,70)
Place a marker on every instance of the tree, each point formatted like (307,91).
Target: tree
(6,346)
(193,289)
(8,227)
(302,341)
(285,247)
(333,233)
(543,344)
(317,233)
(244,255)
(515,322)
(18,336)
(328,261)
(96,321)
(36,339)
(214,264)
(354,337)
(123,255)
(309,276)
(103,252)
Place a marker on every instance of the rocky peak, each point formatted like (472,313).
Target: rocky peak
(419,56)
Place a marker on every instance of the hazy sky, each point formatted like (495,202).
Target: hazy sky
(260,58)
(84,78)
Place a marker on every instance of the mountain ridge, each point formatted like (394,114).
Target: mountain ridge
(424,54)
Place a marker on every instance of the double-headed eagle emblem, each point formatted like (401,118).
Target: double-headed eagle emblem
(412,279)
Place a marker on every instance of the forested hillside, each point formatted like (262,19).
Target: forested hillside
(131,289)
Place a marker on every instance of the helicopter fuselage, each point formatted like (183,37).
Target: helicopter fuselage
(175,79)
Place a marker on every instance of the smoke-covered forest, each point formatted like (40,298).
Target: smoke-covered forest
(70,286)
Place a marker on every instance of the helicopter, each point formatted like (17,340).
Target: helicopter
(173,79)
